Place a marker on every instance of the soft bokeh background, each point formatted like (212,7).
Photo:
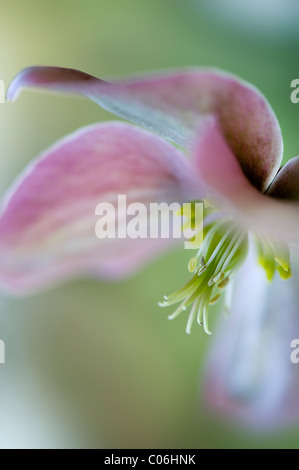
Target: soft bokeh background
(92,364)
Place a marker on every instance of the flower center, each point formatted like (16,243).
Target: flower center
(223,251)
(221,254)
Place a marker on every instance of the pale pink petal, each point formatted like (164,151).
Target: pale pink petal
(249,376)
(174,103)
(47,226)
(286,183)
(220,171)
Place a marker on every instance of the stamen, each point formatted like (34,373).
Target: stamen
(215,299)
(205,320)
(225,259)
(177,311)
(200,311)
(223,283)
(192,315)
(222,252)
(192,264)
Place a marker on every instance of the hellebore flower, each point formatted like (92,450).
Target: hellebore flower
(235,144)
(233,139)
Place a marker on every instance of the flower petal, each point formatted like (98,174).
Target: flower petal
(286,183)
(47,227)
(249,374)
(174,103)
(232,190)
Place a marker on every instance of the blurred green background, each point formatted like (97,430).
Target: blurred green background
(93,364)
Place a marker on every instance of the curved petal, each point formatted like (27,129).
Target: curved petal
(47,226)
(232,190)
(286,183)
(249,375)
(174,103)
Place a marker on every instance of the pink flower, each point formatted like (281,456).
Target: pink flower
(234,142)
(249,375)
(227,127)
